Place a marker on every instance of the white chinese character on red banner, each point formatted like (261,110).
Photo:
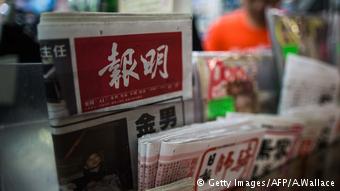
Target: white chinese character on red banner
(153,59)
(127,59)
(119,67)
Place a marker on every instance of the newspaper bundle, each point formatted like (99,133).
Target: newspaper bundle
(105,61)
(308,82)
(237,81)
(220,150)
(280,143)
(320,126)
(100,72)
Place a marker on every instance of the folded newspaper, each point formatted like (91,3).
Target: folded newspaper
(320,125)
(99,151)
(105,61)
(280,142)
(220,150)
(308,82)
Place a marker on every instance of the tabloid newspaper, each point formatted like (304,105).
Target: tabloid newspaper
(308,81)
(110,79)
(320,125)
(103,61)
(223,150)
(102,148)
(280,143)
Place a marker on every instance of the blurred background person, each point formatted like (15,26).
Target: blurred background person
(241,29)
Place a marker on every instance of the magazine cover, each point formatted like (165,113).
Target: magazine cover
(236,81)
(228,83)
(100,151)
(305,35)
(105,62)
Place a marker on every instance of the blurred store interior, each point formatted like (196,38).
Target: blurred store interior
(27,160)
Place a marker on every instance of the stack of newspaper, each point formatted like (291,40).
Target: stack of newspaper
(320,125)
(220,150)
(110,79)
(280,142)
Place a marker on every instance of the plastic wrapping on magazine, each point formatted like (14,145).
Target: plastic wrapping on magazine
(236,81)
(301,34)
